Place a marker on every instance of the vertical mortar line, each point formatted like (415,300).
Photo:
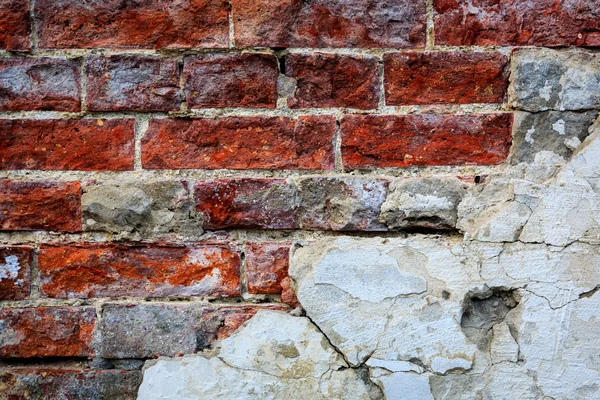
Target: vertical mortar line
(337,143)
(182,92)
(381,73)
(140,128)
(243,280)
(34,275)
(83,83)
(33,26)
(231,27)
(430,35)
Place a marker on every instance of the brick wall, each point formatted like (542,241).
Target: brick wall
(159,158)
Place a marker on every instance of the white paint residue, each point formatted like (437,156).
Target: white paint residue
(528,137)
(10,268)
(546,91)
(559,126)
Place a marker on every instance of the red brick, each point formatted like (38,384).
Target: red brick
(444,77)
(46,332)
(240,143)
(132,83)
(67,144)
(231,80)
(266,265)
(46,383)
(517,22)
(287,293)
(141,270)
(370,141)
(15,22)
(39,84)
(40,205)
(331,80)
(329,23)
(246,203)
(15,267)
(127,24)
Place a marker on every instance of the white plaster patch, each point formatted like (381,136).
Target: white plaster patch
(559,127)
(10,268)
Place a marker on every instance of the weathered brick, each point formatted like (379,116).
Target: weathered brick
(267,265)
(126,24)
(152,330)
(444,77)
(341,204)
(46,332)
(240,143)
(332,80)
(142,270)
(288,296)
(517,22)
(15,22)
(40,205)
(43,384)
(67,144)
(371,141)
(546,79)
(246,203)
(329,23)
(15,268)
(39,84)
(231,80)
(132,83)
(139,207)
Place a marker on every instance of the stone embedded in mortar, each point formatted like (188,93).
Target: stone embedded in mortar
(139,207)
(545,79)
(290,360)
(555,132)
(341,204)
(423,203)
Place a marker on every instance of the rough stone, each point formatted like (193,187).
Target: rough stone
(291,360)
(327,23)
(225,80)
(332,80)
(372,141)
(240,143)
(42,384)
(247,203)
(141,270)
(67,144)
(15,25)
(46,332)
(125,24)
(139,207)
(545,79)
(444,77)
(40,205)
(341,204)
(423,203)
(517,23)
(132,83)
(267,264)
(15,270)
(40,84)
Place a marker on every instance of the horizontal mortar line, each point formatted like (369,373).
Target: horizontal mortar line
(442,109)
(127,300)
(201,174)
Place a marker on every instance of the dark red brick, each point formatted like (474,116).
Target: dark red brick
(39,84)
(331,80)
(40,205)
(141,270)
(132,83)
(517,22)
(231,80)
(132,24)
(15,269)
(370,141)
(267,265)
(240,143)
(67,144)
(44,384)
(15,22)
(46,332)
(444,77)
(247,203)
(329,23)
